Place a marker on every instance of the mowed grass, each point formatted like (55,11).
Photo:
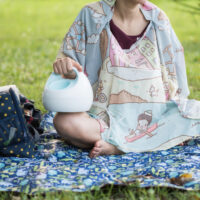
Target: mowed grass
(31,33)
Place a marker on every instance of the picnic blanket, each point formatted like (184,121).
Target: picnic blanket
(58,166)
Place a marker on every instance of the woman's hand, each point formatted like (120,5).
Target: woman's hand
(64,66)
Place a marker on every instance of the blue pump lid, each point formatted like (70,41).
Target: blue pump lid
(57,82)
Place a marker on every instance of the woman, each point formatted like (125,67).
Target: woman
(135,64)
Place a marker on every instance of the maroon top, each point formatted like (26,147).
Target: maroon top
(124,40)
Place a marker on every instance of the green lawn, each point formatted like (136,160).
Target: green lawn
(31,32)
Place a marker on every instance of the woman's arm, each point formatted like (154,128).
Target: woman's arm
(72,51)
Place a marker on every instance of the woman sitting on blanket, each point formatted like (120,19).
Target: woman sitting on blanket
(132,57)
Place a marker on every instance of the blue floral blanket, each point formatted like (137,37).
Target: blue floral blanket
(58,166)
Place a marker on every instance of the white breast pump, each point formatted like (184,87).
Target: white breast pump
(68,95)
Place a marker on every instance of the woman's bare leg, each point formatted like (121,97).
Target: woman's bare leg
(78,129)
(83,131)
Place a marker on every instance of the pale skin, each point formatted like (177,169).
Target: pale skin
(79,129)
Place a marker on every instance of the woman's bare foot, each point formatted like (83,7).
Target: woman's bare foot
(103,148)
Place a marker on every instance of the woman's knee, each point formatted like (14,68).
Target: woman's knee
(61,122)
(77,126)
(68,123)
(56,121)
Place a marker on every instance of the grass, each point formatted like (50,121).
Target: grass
(110,193)
(30,36)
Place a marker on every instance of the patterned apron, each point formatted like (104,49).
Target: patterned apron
(132,95)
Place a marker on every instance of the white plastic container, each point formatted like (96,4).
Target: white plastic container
(68,95)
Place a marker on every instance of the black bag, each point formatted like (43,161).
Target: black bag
(15,139)
(32,115)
